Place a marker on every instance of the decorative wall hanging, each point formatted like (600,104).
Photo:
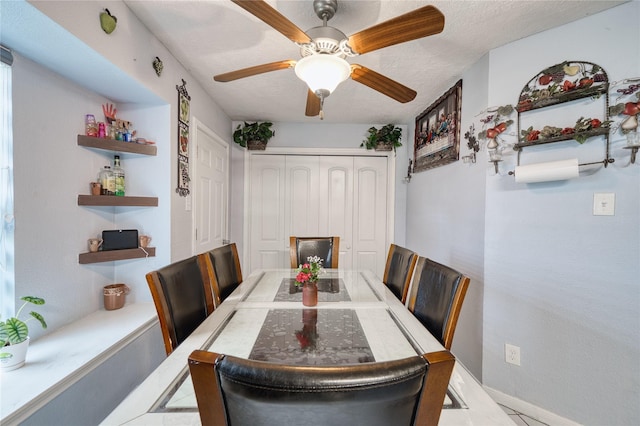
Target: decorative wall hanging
(560,84)
(108,22)
(494,126)
(158,66)
(183,140)
(627,112)
(437,140)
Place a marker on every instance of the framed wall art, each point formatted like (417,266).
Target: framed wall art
(183,140)
(437,133)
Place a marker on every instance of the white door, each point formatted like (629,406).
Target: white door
(336,195)
(211,193)
(267,205)
(370,222)
(301,196)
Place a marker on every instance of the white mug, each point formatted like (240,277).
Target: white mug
(94,244)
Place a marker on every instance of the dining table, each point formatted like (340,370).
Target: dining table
(357,319)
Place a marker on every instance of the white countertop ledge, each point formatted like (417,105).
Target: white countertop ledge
(58,360)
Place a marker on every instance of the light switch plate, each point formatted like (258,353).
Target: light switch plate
(604,203)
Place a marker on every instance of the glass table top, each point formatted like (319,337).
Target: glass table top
(351,324)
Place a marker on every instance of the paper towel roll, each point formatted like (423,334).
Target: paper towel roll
(546,172)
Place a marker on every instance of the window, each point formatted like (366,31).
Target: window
(7,222)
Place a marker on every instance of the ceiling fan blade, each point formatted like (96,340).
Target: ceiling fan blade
(261,10)
(258,69)
(313,104)
(382,84)
(419,23)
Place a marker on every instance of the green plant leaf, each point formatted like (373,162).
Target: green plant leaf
(34,300)
(17,331)
(4,336)
(39,318)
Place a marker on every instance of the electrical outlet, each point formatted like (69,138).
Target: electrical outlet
(512,354)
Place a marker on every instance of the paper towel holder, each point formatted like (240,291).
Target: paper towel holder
(604,162)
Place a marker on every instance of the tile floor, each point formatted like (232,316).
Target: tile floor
(521,419)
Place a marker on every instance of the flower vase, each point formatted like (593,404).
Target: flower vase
(310,293)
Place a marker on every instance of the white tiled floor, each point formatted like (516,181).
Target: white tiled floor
(521,419)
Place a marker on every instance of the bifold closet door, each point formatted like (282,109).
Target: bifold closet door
(315,196)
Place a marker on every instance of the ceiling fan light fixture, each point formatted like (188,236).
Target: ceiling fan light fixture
(322,72)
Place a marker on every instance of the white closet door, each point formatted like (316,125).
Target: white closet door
(267,206)
(370,214)
(336,204)
(316,196)
(302,196)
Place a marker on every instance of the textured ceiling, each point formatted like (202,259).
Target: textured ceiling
(213,37)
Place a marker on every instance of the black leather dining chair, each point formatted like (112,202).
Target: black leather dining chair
(436,296)
(398,270)
(183,297)
(240,392)
(327,248)
(226,271)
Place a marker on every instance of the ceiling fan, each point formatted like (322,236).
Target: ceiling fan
(323,50)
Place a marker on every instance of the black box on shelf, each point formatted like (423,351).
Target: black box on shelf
(120,239)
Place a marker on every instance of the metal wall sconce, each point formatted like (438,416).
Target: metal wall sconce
(495,156)
(407,178)
(471,158)
(633,143)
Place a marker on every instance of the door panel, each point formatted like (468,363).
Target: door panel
(370,213)
(301,197)
(211,193)
(317,196)
(266,226)
(336,205)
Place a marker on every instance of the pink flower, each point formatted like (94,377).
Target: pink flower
(302,277)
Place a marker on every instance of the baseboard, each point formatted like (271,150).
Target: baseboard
(528,409)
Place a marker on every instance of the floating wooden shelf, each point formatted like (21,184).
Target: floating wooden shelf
(112,200)
(118,146)
(111,255)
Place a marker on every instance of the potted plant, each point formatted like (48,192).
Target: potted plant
(253,135)
(14,336)
(383,139)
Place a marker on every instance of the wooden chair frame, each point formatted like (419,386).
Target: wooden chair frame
(202,365)
(335,250)
(160,301)
(214,280)
(387,269)
(456,304)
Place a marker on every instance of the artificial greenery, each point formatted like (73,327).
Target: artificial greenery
(253,132)
(387,135)
(14,330)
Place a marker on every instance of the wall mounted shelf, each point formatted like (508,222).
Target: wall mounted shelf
(588,134)
(112,200)
(111,255)
(117,146)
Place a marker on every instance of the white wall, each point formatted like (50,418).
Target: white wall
(445,219)
(559,282)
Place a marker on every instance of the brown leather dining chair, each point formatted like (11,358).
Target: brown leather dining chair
(327,248)
(226,271)
(183,297)
(437,293)
(398,270)
(240,392)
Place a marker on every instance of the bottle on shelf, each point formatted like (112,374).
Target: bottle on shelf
(108,181)
(90,125)
(118,174)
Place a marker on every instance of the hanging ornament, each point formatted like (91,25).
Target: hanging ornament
(108,22)
(158,66)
